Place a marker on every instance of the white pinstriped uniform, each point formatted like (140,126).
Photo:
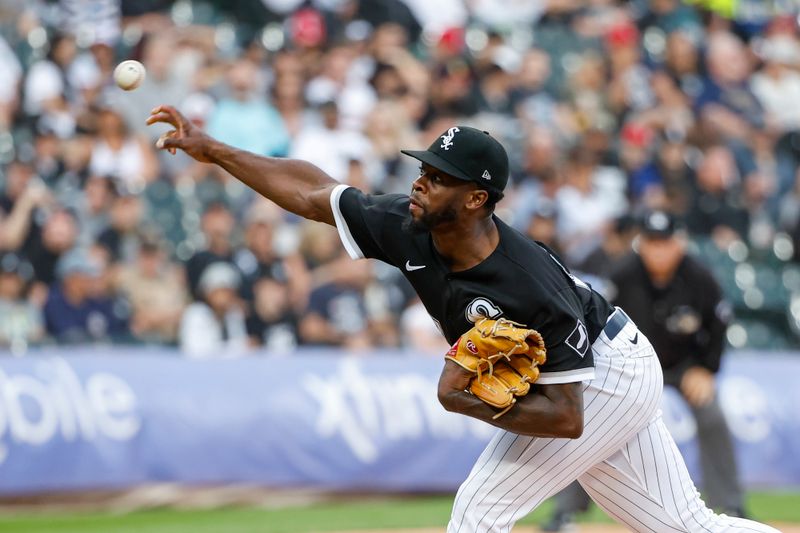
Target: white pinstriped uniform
(625,459)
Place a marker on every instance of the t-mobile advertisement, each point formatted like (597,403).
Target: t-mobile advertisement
(76,419)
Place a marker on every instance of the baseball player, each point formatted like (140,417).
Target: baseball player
(593,415)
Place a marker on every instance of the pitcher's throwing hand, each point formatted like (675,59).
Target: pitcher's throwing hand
(186,136)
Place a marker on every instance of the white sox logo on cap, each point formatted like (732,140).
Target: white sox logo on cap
(447,138)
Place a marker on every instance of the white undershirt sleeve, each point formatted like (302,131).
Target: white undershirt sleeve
(350,244)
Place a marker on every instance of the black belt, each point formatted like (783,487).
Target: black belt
(615,323)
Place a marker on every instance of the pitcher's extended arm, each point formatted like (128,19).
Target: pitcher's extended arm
(297,186)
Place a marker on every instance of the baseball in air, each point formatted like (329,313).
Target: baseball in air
(129,75)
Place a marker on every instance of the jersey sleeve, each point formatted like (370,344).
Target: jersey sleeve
(569,350)
(361,220)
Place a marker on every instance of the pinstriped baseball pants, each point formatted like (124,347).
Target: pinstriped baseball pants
(625,459)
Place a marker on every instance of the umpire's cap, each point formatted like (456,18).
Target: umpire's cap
(659,224)
(467,154)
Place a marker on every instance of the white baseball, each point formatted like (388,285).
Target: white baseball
(129,75)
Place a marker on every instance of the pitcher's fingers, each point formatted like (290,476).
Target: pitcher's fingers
(162,117)
(177,119)
(165,109)
(167,112)
(171,143)
(162,142)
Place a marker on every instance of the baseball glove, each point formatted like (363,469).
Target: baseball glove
(504,356)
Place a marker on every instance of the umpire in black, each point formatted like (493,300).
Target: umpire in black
(678,304)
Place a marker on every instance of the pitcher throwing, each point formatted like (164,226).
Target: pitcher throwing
(593,414)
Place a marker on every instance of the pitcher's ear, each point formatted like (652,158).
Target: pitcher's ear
(477,199)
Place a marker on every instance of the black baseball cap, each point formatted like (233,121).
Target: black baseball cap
(467,154)
(658,224)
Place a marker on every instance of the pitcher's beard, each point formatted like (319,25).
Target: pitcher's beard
(428,221)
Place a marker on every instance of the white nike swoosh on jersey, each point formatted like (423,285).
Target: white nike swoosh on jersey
(411,267)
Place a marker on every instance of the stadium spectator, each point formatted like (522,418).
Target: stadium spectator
(48,159)
(93,212)
(120,237)
(717,209)
(22,197)
(613,248)
(543,226)
(217,225)
(10,77)
(671,110)
(389,129)
(75,311)
(243,117)
(117,152)
(674,161)
(777,84)
(48,92)
(342,153)
(214,325)
(420,331)
(682,62)
(272,323)
(261,257)
(336,314)
(342,81)
(21,321)
(592,196)
(170,69)
(156,291)
(636,145)
(726,105)
(530,99)
(629,80)
(777,87)
(46,244)
(289,101)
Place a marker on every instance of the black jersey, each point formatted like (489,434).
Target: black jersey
(521,280)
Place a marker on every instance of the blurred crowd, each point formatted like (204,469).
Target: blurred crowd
(606,107)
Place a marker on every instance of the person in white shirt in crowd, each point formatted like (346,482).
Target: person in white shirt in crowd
(21,321)
(10,76)
(592,196)
(777,84)
(215,325)
(420,331)
(120,153)
(47,89)
(343,154)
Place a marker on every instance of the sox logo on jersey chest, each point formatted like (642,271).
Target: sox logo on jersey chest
(481,308)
